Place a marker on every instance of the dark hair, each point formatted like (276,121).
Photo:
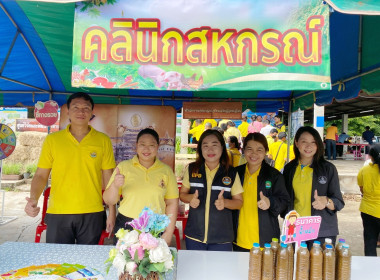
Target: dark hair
(374,152)
(244,118)
(223,126)
(258,137)
(334,124)
(217,128)
(224,161)
(150,132)
(318,157)
(233,139)
(273,130)
(230,123)
(253,117)
(367,127)
(277,116)
(82,95)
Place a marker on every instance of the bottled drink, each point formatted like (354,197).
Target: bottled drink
(274,245)
(329,263)
(328,241)
(255,255)
(282,264)
(316,261)
(338,247)
(303,262)
(344,263)
(267,266)
(291,261)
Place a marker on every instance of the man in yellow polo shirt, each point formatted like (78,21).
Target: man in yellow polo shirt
(81,162)
(278,152)
(331,134)
(243,127)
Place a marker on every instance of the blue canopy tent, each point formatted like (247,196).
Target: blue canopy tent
(36,51)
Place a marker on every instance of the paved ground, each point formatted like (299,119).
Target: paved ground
(23,228)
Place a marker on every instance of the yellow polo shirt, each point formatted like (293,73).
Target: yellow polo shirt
(243,128)
(76,170)
(331,132)
(302,186)
(210,174)
(270,140)
(281,156)
(248,230)
(234,156)
(369,179)
(232,131)
(145,187)
(197,131)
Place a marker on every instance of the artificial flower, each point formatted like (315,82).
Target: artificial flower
(119,263)
(148,241)
(141,222)
(169,264)
(113,252)
(131,267)
(140,251)
(161,253)
(120,233)
(130,238)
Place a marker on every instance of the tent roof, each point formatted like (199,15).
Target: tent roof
(36,53)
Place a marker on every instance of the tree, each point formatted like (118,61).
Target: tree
(356,126)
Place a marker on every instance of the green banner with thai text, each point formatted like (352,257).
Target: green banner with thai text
(202,45)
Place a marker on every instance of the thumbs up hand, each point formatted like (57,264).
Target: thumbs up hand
(194,202)
(319,202)
(264,202)
(119,179)
(219,203)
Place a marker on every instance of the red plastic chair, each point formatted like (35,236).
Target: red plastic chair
(177,238)
(42,226)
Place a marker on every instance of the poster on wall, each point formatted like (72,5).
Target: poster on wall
(122,123)
(202,45)
(9,116)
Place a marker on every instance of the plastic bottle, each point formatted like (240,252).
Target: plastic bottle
(328,241)
(338,247)
(267,265)
(316,261)
(275,246)
(329,263)
(344,263)
(291,261)
(303,262)
(282,263)
(255,255)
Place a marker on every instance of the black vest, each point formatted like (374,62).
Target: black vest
(220,226)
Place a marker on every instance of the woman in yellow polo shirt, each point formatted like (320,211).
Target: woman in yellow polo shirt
(233,147)
(369,183)
(212,188)
(313,183)
(264,196)
(144,181)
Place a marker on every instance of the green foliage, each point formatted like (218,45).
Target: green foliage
(31,168)
(12,169)
(356,126)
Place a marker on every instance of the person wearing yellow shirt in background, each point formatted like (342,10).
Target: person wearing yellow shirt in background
(233,148)
(369,184)
(197,131)
(232,131)
(211,121)
(278,124)
(278,151)
(331,134)
(243,127)
(272,137)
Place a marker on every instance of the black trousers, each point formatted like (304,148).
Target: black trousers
(74,228)
(371,232)
(121,222)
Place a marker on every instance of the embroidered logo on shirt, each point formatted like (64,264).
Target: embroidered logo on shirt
(322,180)
(226,180)
(196,175)
(93,154)
(268,184)
(162,184)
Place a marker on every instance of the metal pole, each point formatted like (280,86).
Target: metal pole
(289,128)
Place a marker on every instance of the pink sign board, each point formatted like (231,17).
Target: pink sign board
(297,229)
(46,113)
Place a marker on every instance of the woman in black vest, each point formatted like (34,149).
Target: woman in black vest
(265,196)
(313,183)
(212,188)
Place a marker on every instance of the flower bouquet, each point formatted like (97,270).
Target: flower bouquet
(141,253)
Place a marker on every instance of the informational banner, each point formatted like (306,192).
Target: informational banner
(9,115)
(212,110)
(297,121)
(122,123)
(46,113)
(202,45)
(23,125)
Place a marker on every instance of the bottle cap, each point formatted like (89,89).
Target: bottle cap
(317,243)
(346,246)
(267,245)
(283,245)
(328,240)
(341,240)
(275,239)
(303,245)
(328,246)
(256,245)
